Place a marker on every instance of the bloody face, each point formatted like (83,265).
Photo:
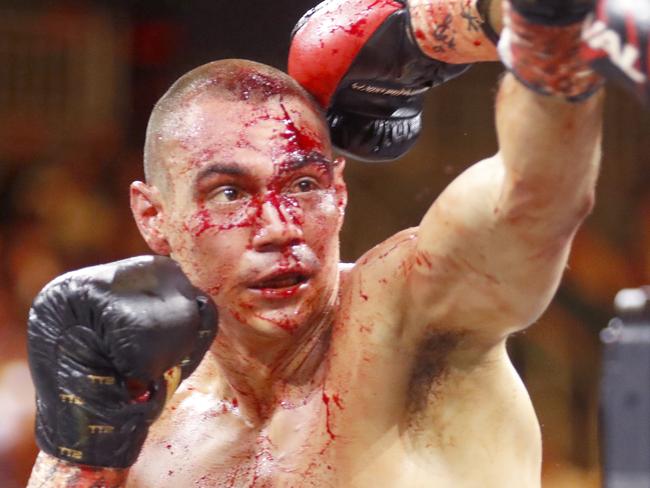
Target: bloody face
(254,209)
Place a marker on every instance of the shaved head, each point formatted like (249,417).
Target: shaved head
(230,79)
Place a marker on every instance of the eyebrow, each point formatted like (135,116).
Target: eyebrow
(232,169)
(221,169)
(311,158)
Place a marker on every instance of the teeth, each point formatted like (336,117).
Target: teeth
(281,282)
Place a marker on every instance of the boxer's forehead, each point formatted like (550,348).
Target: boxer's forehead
(212,129)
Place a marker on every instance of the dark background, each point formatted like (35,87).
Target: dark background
(77,82)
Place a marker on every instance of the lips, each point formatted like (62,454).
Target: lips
(281,284)
(284,280)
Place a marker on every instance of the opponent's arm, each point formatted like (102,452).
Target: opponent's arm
(492,249)
(457,31)
(108,346)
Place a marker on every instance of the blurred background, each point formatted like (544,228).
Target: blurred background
(78,79)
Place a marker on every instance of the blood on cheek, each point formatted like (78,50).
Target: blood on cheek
(296,144)
(249,213)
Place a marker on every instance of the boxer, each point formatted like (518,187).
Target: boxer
(392,371)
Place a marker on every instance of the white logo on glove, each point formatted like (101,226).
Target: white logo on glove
(598,36)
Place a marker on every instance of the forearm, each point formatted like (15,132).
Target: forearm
(457,31)
(50,472)
(550,150)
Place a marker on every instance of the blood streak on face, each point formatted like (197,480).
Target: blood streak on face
(258,208)
(298,140)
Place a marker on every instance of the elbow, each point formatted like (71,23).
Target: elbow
(543,216)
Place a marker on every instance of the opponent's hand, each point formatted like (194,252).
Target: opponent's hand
(360,59)
(617,42)
(541,43)
(108,345)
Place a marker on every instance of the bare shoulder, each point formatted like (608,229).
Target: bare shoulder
(383,269)
(372,287)
(181,443)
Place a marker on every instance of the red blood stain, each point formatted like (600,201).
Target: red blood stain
(263,452)
(170,472)
(138,391)
(204,223)
(364,296)
(337,400)
(87,477)
(477,43)
(426,259)
(328,425)
(283,293)
(357,28)
(249,82)
(297,140)
(278,202)
(420,35)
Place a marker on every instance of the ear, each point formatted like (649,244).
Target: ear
(339,181)
(147,208)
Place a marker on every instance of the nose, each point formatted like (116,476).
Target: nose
(278,228)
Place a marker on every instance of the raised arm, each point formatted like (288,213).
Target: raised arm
(492,249)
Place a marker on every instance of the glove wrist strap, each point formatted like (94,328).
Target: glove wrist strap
(547,59)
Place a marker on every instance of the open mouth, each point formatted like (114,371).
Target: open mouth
(281,282)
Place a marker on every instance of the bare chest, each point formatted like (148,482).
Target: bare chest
(340,438)
(203,443)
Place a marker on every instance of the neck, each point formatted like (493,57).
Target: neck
(267,372)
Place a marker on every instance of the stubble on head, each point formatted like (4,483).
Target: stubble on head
(230,80)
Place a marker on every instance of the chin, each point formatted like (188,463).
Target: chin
(270,321)
(276,323)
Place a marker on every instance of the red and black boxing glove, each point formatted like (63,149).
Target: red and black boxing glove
(107,347)
(616,41)
(362,62)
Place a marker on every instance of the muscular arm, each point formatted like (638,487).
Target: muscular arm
(50,472)
(492,249)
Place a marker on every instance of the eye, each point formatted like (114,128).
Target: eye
(226,194)
(304,184)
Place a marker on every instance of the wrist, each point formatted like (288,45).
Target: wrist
(454,31)
(50,471)
(546,56)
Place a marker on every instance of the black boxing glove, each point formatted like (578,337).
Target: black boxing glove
(617,42)
(361,61)
(553,12)
(107,347)
(541,45)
